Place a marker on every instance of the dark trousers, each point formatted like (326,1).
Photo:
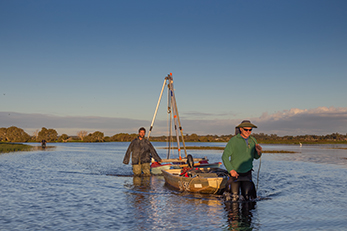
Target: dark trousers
(244,184)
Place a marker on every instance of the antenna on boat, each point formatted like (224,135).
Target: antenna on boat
(173,111)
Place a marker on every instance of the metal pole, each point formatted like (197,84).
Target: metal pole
(170,123)
(177,134)
(173,103)
(156,109)
(178,119)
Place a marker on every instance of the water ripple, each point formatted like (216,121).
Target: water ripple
(86,187)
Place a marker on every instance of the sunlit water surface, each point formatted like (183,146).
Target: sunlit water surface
(78,186)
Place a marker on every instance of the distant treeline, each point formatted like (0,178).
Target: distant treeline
(265,138)
(14,134)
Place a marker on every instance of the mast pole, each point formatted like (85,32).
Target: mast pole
(169,111)
(179,122)
(176,131)
(176,118)
(156,109)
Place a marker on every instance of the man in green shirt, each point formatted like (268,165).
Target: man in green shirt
(238,158)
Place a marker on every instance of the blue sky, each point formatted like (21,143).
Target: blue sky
(282,64)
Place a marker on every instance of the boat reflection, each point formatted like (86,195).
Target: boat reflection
(44,148)
(239,215)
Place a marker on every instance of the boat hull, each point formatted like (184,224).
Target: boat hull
(198,184)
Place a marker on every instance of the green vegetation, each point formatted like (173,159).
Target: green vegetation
(205,147)
(14,134)
(334,138)
(95,137)
(50,135)
(278,151)
(200,148)
(222,148)
(12,147)
(63,138)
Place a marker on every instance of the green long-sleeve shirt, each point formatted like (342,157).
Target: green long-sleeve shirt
(238,155)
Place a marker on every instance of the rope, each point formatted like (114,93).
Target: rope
(258,173)
(187,189)
(258,167)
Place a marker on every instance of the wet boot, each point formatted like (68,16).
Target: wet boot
(227,196)
(235,197)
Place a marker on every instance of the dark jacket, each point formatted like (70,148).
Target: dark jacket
(142,152)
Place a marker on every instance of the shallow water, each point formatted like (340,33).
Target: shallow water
(74,187)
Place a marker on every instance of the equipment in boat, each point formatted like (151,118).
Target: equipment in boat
(157,167)
(174,119)
(190,161)
(197,180)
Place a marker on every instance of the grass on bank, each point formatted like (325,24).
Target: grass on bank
(278,151)
(13,147)
(297,142)
(222,148)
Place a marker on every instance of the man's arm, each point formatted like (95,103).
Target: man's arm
(127,154)
(258,152)
(258,149)
(226,161)
(154,152)
(226,158)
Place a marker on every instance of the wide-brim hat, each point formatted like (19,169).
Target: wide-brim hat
(246,123)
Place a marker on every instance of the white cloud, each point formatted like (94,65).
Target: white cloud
(206,115)
(320,121)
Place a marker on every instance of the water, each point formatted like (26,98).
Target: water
(74,187)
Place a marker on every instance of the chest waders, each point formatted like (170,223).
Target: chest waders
(244,184)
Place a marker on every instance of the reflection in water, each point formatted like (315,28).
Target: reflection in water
(239,215)
(155,207)
(85,186)
(46,148)
(142,183)
(141,201)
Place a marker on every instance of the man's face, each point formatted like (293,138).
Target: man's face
(246,132)
(142,133)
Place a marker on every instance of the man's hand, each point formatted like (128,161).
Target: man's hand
(259,149)
(233,173)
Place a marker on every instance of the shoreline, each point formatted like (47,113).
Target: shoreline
(222,148)
(259,142)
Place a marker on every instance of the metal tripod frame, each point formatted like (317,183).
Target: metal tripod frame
(174,115)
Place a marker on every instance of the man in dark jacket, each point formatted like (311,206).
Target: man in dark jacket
(142,151)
